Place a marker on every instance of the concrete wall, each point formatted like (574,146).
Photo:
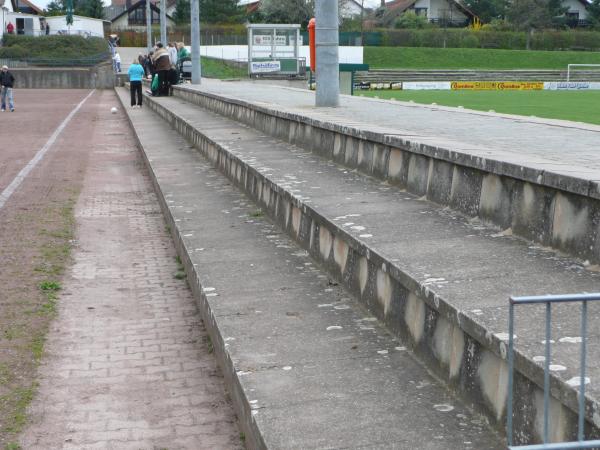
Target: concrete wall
(98,77)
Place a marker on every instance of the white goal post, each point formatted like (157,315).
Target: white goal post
(578,65)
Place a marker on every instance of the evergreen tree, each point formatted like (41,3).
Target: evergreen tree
(182,16)
(594,13)
(91,8)
(220,11)
(211,11)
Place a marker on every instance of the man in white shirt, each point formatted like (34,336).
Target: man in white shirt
(173,53)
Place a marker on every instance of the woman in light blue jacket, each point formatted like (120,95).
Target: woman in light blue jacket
(136,74)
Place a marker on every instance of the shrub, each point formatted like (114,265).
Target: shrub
(411,20)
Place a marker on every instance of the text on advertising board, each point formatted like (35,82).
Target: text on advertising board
(498,85)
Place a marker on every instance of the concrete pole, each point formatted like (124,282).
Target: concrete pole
(196,61)
(327,43)
(163,22)
(148,25)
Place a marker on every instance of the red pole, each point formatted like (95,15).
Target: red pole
(312,44)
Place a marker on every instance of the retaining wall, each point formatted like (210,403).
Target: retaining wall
(459,350)
(97,77)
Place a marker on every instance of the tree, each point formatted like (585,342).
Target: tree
(92,8)
(182,14)
(529,15)
(87,8)
(287,11)
(594,13)
(211,11)
(220,11)
(488,10)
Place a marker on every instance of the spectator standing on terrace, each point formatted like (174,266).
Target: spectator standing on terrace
(136,74)
(162,65)
(6,81)
(173,53)
(183,53)
(117,61)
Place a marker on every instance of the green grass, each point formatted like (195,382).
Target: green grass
(52,47)
(472,58)
(578,106)
(214,68)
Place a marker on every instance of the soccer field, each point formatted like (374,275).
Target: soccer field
(580,106)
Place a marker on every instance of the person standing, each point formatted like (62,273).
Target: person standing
(117,62)
(6,81)
(173,53)
(162,65)
(10,28)
(136,74)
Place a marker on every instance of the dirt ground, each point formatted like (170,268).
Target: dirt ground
(36,232)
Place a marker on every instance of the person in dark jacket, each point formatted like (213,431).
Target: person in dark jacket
(6,81)
(162,65)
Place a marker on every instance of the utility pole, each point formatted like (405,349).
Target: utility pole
(148,26)
(196,61)
(163,22)
(327,43)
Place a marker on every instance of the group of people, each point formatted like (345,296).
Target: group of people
(162,66)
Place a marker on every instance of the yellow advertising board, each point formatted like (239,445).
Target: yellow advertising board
(497,85)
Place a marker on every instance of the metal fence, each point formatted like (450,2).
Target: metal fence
(549,300)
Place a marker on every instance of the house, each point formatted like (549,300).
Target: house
(577,13)
(27,7)
(24,22)
(84,26)
(133,15)
(442,12)
(352,8)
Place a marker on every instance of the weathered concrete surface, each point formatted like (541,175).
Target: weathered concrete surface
(437,280)
(127,363)
(97,77)
(495,171)
(308,367)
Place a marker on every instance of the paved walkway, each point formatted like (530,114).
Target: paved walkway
(562,147)
(128,365)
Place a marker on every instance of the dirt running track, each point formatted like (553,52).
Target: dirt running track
(126,363)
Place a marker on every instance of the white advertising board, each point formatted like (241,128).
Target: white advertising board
(265,66)
(571,85)
(426,85)
(266,39)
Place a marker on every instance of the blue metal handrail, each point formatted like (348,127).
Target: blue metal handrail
(548,300)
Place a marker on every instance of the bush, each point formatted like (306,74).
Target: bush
(487,37)
(411,20)
(58,47)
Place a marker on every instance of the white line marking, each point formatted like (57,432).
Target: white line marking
(13,186)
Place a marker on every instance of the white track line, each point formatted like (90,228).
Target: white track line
(12,187)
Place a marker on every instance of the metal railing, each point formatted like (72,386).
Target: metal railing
(548,300)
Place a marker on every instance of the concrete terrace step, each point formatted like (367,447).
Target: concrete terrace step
(536,178)
(437,280)
(306,365)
